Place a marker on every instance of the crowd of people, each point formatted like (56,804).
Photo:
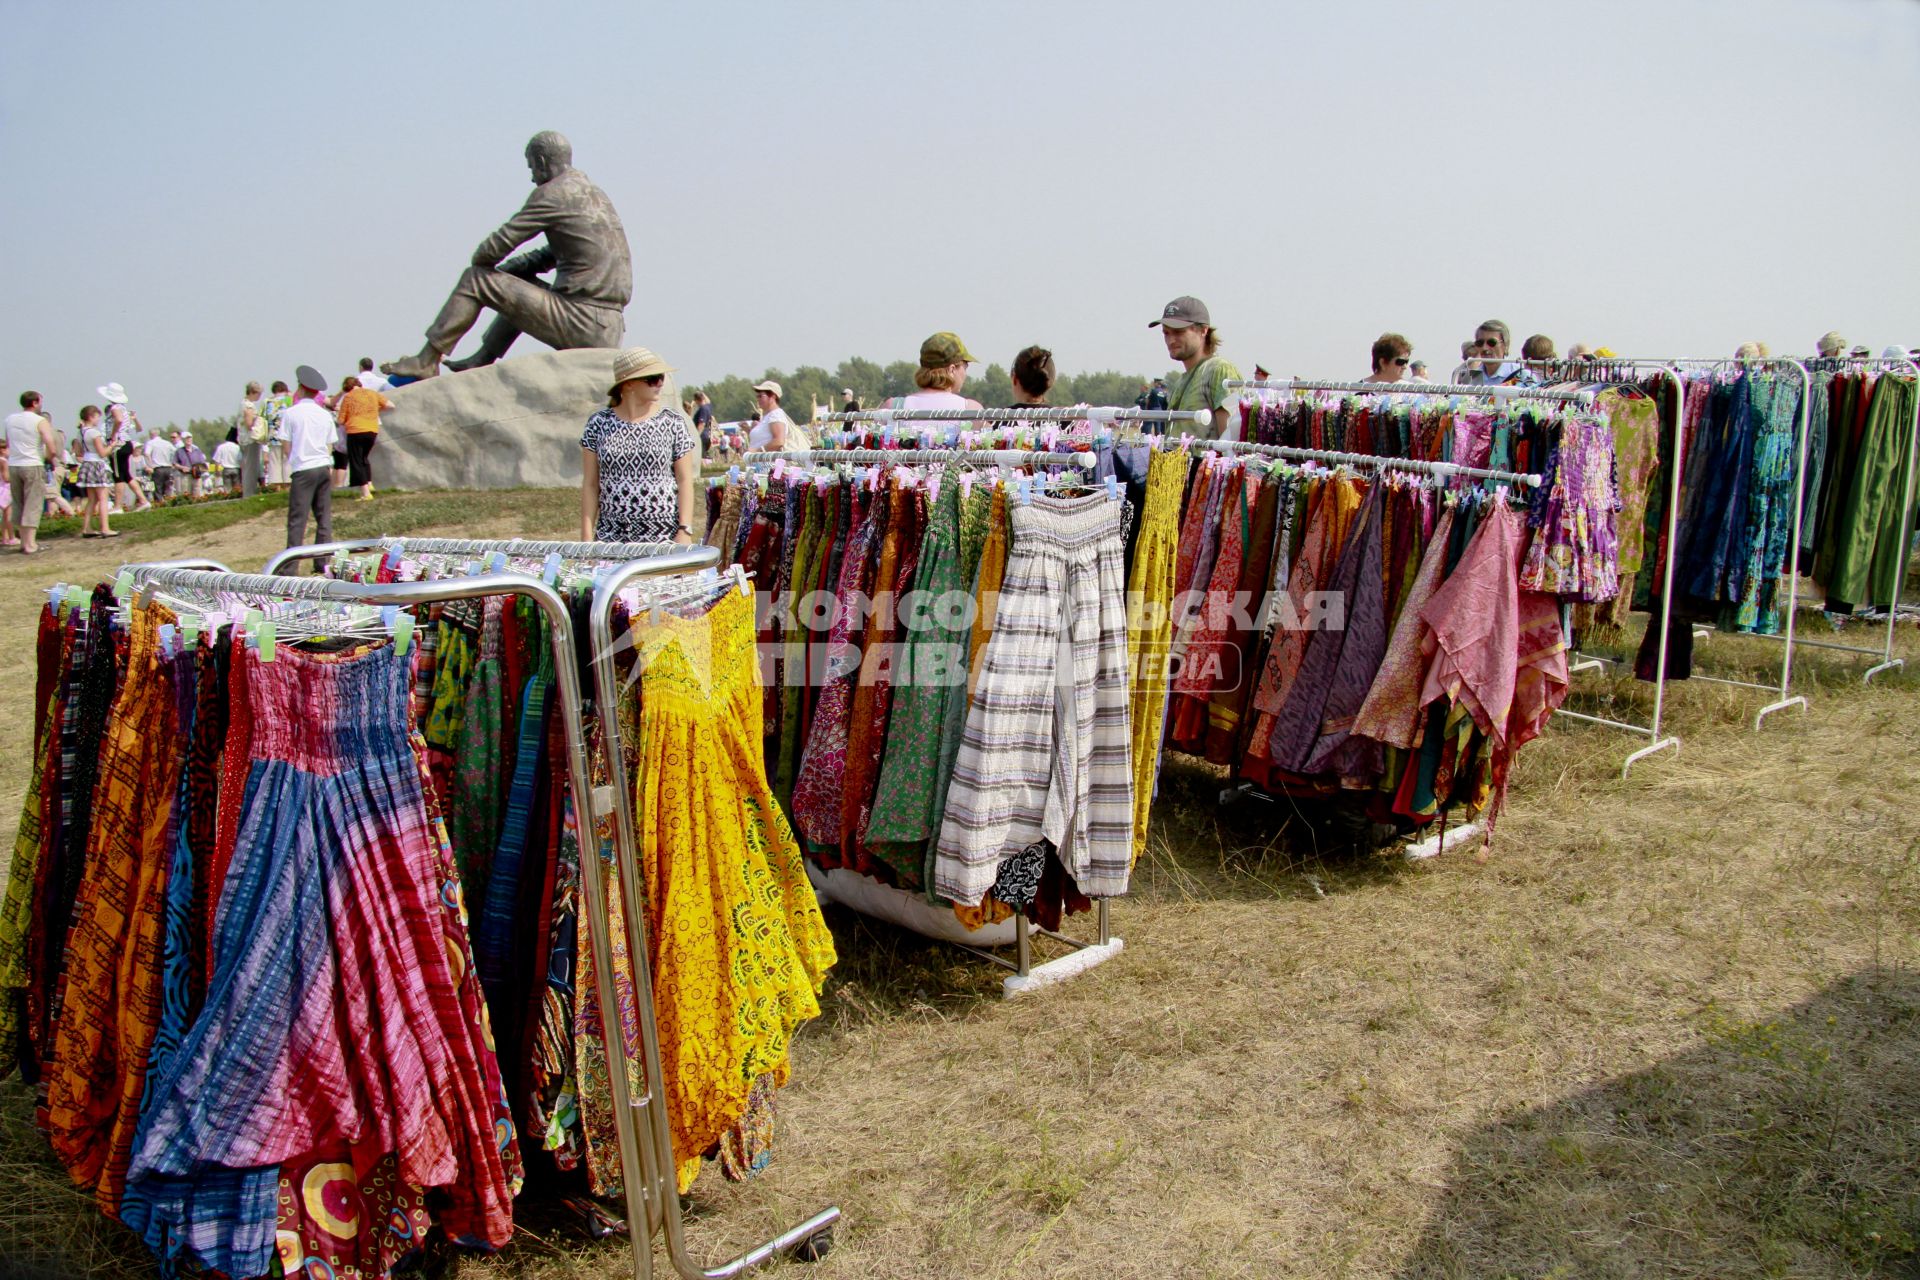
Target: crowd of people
(640,456)
(111,464)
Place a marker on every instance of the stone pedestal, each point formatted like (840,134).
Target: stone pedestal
(515,422)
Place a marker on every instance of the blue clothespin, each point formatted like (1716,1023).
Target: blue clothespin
(393,554)
(499,562)
(550,571)
(389,614)
(1113,489)
(166,634)
(1023,491)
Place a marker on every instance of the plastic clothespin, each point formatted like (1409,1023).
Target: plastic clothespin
(265,640)
(1023,491)
(389,615)
(550,571)
(1186,439)
(402,634)
(166,635)
(1113,489)
(393,554)
(499,562)
(55,594)
(123,585)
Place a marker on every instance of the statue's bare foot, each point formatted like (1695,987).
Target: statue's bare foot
(420,366)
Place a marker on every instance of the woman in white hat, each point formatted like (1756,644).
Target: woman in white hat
(639,459)
(122,424)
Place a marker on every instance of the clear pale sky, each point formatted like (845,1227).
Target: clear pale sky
(198,194)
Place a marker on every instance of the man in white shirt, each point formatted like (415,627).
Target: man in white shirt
(771,431)
(31,440)
(226,456)
(371,378)
(159,451)
(309,430)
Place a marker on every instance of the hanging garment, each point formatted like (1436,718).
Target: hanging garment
(1045,751)
(342,999)
(1775,406)
(1150,629)
(1340,662)
(111,1005)
(1869,530)
(933,673)
(739,950)
(820,786)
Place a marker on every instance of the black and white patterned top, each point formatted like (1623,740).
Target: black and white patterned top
(639,500)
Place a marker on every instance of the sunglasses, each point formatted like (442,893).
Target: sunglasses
(654,379)
(1486,342)
(1401,361)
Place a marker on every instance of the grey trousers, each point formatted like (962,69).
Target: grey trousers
(312,490)
(525,306)
(251,474)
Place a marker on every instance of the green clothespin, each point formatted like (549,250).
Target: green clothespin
(402,634)
(123,585)
(263,637)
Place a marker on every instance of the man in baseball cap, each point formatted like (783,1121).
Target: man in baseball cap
(1193,341)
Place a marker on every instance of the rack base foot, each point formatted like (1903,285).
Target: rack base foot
(1644,752)
(1435,845)
(1057,971)
(1760,716)
(1586,664)
(1888,665)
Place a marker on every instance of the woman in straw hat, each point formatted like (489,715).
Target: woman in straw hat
(639,459)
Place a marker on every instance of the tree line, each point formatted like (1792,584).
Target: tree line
(873,383)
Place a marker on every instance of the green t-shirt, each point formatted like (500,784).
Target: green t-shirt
(1205,387)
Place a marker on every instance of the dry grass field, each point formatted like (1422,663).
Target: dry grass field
(1665,1026)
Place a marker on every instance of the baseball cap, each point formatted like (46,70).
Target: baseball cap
(1181,313)
(943,349)
(770,387)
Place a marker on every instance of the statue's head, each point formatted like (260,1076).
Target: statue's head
(548,156)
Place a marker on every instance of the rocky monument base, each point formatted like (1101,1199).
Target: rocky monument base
(512,423)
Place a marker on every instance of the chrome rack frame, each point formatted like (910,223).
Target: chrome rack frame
(1585,399)
(652,1196)
(1380,461)
(1671,368)
(608,551)
(1494,391)
(921,457)
(1026,975)
(1097,414)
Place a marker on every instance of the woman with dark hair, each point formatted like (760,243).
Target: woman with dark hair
(1033,376)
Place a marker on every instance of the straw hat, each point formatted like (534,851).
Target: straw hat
(636,362)
(113,393)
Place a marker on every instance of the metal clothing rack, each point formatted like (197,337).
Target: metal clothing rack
(1096,414)
(1496,391)
(1885,651)
(1026,975)
(922,457)
(512,547)
(1671,368)
(651,1192)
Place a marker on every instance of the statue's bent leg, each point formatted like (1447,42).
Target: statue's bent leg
(561,322)
(494,342)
